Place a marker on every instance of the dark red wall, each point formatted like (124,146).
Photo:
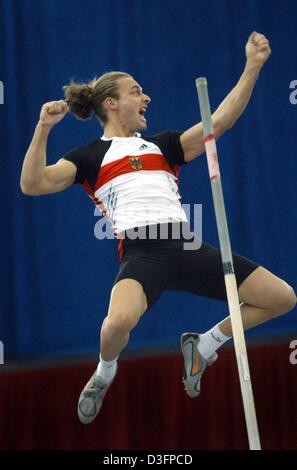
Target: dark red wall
(147,408)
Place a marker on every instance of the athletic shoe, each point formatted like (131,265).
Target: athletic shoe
(91,398)
(194,363)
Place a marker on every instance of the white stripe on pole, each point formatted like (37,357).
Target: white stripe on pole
(230,280)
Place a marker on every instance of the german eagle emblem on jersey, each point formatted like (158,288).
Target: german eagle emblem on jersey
(136,163)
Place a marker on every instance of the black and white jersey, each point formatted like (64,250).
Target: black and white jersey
(133,180)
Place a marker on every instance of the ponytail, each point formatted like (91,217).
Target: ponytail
(79,99)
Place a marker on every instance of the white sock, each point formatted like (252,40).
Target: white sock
(106,370)
(210,341)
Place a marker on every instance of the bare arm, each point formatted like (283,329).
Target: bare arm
(36,177)
(257,52)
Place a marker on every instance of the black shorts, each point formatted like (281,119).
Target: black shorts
(160,265)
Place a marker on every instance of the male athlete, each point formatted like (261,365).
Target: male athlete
(133,179)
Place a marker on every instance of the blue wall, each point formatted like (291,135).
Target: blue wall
(55,275)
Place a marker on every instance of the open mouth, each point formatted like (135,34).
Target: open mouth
(141,112)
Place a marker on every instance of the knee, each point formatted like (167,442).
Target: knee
(118,323)
(292,299)
(287,300)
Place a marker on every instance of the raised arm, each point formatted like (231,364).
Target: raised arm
(36,177)
(257,52)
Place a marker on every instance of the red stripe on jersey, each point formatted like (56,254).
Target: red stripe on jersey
(120,249)
(129,164)
(176,170)
(88,189)
(98,203)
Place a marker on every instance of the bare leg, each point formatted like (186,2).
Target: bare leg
(127,304)
(264,297)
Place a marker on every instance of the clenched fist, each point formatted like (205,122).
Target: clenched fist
(257,49)
(52,112)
